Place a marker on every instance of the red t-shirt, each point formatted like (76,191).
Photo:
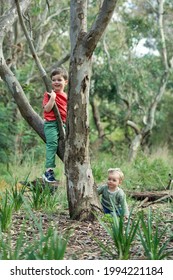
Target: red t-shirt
(61,102)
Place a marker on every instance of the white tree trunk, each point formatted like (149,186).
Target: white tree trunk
(80,182)
(81,190)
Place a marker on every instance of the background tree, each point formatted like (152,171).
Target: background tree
(129,97)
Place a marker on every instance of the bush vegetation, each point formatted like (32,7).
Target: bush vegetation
(146,173)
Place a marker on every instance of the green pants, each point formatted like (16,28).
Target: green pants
(52,136)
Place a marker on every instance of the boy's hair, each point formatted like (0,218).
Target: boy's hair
(59,71)
(117,170)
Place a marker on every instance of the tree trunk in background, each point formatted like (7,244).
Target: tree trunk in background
(150,117)
(96,117)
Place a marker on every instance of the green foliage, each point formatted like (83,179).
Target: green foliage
(162,133)
(7,131)
(122,233)
(6,210)
(48,245)
(145,173)
(16,196)
(42,197)
(10,252)
(152,238)
(150,173)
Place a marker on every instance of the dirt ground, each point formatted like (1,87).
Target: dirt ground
(83,241)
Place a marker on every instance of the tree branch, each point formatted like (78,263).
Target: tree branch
(162,35)
(78,20)
(134,126)
(164,78)
(10,16)
(99,26)
(49,69)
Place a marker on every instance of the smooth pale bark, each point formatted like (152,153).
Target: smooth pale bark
(81,189)
(150,117)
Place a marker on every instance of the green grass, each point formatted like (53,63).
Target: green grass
(145,173)
(16,196)
(6,210)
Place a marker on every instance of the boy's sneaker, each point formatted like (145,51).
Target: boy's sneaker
(48,176)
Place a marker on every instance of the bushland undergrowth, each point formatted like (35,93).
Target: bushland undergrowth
(144,174)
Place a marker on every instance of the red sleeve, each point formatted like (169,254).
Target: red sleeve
(45,99)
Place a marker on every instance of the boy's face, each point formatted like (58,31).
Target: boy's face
(114,180)
(58,82)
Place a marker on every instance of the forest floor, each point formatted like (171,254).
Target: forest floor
(84,237)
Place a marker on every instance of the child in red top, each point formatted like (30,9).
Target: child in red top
(59,81)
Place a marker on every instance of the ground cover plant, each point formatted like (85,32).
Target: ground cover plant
(35,219)
(153,238)
(122,232)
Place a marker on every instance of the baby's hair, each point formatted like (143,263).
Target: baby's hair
(59,71)
(117,170)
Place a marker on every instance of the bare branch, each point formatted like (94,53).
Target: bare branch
(10,16)
(134,126)
(57,13)
(99,26)
(107,53)
(49,69)
(162,35)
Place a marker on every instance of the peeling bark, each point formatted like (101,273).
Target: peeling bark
(81,189)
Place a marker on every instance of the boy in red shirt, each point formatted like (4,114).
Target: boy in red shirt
(59,79)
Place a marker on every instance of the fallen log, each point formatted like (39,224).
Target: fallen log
(150,195)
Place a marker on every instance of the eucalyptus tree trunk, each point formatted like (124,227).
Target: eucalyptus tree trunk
(141,134)
(81,190)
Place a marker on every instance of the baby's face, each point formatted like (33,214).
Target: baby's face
(113,180)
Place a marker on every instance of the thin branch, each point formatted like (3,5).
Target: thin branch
(107,53)
(162,35)
(100,24)
(57,13)
(49,69)
(134,126)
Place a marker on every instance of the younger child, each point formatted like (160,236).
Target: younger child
(112,195)
(57,95)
